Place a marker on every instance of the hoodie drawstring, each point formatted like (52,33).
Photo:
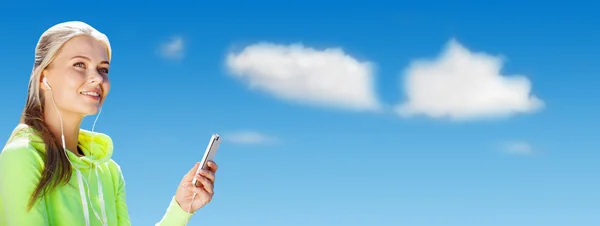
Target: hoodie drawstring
(86,212)
(102,208)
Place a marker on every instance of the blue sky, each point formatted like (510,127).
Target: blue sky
(326,145)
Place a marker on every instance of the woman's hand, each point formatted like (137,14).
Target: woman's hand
(191,198)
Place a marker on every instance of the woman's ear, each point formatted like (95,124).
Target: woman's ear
(44,82)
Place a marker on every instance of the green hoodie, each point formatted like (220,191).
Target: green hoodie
(21,164)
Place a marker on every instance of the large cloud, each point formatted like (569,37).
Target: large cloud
(461,84)
(297,73)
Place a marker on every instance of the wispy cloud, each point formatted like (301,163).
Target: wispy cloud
(325,77)
(250,137)
(464,85)
(173,48)
(519,148)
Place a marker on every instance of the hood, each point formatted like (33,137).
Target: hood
(97,147)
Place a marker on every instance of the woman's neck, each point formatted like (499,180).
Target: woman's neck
(71,126)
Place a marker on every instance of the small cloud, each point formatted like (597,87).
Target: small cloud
(462,85)
(519,148)
(172,49)
(249,137)
(328,77)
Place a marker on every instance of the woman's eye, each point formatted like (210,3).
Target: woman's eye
(104,70)
(79,65)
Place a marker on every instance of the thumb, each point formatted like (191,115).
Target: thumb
(192,172)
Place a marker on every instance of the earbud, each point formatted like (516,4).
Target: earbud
(46,82)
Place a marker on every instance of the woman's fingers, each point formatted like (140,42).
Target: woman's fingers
(212,166)
(207,184)
(196,189)
(208,174)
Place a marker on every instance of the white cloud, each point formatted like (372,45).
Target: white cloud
(172,49)
(249,137)
(461,85)
(328,77)
(519,148)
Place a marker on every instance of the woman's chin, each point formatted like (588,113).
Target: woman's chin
(91,110)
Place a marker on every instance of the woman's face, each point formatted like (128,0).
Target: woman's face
(78,76)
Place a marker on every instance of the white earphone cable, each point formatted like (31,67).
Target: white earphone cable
(190,207)
(79,176)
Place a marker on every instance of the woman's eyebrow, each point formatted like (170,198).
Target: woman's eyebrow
(88,59)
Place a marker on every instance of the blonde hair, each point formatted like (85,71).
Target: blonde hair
(57,168)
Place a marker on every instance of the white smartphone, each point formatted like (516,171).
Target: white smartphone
(209,154)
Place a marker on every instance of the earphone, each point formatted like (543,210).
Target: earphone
(80,178)
(46,82)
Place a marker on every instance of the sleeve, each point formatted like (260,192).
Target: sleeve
(122,209)
(20,172)
(175,215)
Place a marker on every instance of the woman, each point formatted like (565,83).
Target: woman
(54,173)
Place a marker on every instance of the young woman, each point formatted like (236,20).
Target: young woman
(54,173)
